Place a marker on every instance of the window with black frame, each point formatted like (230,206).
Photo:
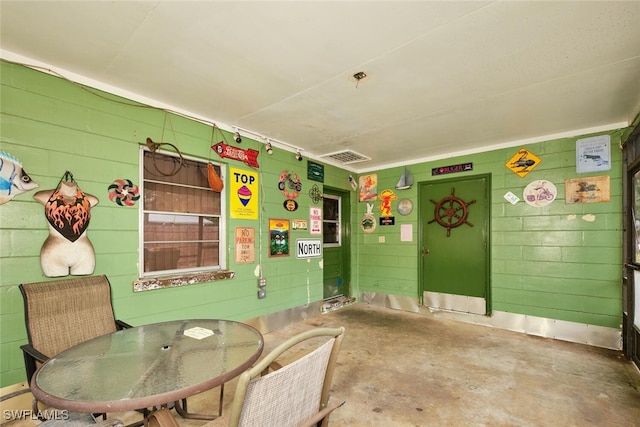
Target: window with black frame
(182,224)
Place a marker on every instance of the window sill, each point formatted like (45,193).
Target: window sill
(181,280)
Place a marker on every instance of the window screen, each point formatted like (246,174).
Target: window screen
(182,226)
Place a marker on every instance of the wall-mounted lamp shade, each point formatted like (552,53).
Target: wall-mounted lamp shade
(269,148)
(237,138)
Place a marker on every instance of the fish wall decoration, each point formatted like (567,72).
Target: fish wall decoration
(13,179)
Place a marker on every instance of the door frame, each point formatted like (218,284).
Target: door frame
(345,234)
(631,271)
(422,224)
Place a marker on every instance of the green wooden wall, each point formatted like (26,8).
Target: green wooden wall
(52,125)
(543,263)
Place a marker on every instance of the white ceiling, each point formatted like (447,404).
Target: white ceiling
(444,77)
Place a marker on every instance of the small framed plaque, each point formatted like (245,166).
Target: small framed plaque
(593,154)
(315,171)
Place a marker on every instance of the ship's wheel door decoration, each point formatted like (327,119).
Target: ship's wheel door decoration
(451,212)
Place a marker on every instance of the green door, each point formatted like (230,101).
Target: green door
(454,217)
(335,250)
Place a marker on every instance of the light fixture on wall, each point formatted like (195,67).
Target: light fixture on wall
(237,138)
(269,148)
(298,156)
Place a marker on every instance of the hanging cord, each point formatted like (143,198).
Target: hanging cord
(224,138)
(215,182)
(68,177)
(213,138)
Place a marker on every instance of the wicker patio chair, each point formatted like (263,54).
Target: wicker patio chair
(62,313)
(294,394)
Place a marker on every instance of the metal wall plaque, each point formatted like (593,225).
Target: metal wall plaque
(461,167)
(308,248)
(315,171)
(593,154)
(523,162)
(299,224)
(387,220)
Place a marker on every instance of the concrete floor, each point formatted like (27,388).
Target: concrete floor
(405,369)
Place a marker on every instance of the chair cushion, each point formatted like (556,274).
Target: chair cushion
(63,313)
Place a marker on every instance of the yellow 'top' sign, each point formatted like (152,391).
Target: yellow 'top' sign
(243,194)
(522,162)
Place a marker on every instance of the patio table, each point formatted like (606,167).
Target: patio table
(147,366)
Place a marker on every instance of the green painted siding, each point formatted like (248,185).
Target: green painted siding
(53,125)
(545,262)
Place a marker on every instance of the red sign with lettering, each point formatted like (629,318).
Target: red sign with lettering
(248,156)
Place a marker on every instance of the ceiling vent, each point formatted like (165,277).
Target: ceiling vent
(346,157)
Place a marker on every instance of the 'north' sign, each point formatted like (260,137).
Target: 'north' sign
(308,248)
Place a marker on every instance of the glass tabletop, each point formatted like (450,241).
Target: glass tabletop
(146,366)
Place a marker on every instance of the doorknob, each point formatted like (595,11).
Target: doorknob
(425,251)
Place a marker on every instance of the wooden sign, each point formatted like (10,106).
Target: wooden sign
(594,189)
(245,245)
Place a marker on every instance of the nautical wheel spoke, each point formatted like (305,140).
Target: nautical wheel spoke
(451,212)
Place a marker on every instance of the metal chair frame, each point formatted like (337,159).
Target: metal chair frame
(62,313)
(260,372)
(321,360)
